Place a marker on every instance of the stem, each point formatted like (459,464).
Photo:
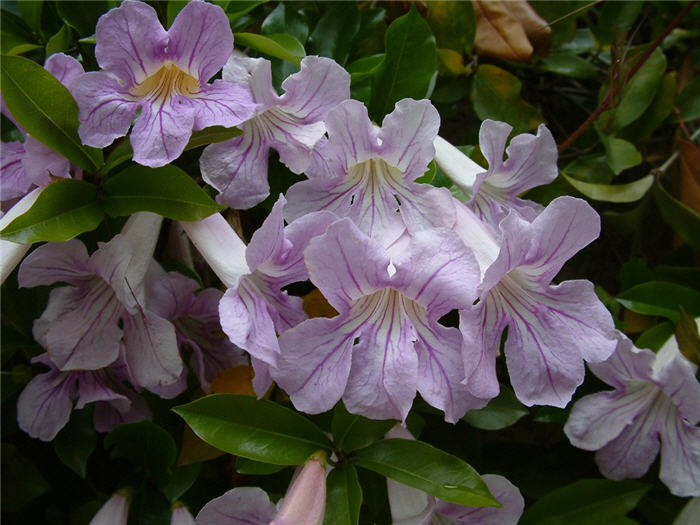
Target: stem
(608,96)
(661,170)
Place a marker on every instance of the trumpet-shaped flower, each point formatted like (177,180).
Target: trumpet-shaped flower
(291,124)
(30,163)
(532,161)
(45,404)
(160,78)
(655,398)
(254,308)
(80,327)
(181,516)
(304,503)
(366,173)
(386,342)
(552,329)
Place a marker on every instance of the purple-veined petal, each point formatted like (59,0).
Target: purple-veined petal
(345,264)
(200,40)
(407,136)
(237,168)
(111,262)
(677,379)
(256,73)
(627,364)
(55,262)
(41,162)
(268,243)
(151,350)
(239,506)
(294,140)
(221,104)
(45,404)
(314,362)
(597,419)
(319,86)
(107,109)
(64,67)
(14,181)
(79,327)
(131,43)
(680,455)
(480,237)
(262,379)
(96,386)
(423,206)
(115,511)
(109,414)
(352,138)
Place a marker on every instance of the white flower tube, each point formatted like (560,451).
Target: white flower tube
(11,253)
(456,165)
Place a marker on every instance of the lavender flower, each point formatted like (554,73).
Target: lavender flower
(115,511)
(161,77)
(292,124)
(181,516)
(655,398)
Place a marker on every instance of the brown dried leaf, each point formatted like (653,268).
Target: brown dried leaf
(536,28)
(690,174)
(234,380)
(315,305)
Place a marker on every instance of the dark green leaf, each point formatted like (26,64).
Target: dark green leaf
(410,65)
(427,468)
(64,209)
(343,497)
(146,446)
(15,37)
(211,135)
(31,14)
(82,16)
(656,113)
(585,502)
(495,94)
(285,18)
(621,154)
(615,19)
(365,67)
(501,412)
(174,8)
(282,46)
(237,9)
(590,168)
(256,429)
(44,107)
(248,466)
(167,191)
(76,441)
(654,338)
(684,220)
(334,32)
(661,298)
(21,481)
(630,192)
(351,432)
(120,154)
(687,336)
(688,102)
(181,480)
(583,42)
(59,42)
(568,65)
(454,25)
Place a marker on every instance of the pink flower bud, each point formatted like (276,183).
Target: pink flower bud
(305,501)
(115,511)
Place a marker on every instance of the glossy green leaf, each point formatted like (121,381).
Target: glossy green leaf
(351,431)
(256,429)
(343,496)
(15,36)
(568,65)
(82,16)
(688,102)
(501,412)
(630,192)
(282,46)
(590,168)
(335,31)
(654,338)
(167,191)
(495,95)
(621,155)
(31,14)
(585,502)
(616,18)
(453,24)
(365,67)
(121,153)
(661,298)
(59,42)
(174,8)
(64,209)
(237,9)
(286,18)
(257,468)
(180,481)
(44,107)
(146,445)
(583,42)
(410,65)
(684,220)
(427,468)
(21,481)
(76,441)
(211,135)
(659,109)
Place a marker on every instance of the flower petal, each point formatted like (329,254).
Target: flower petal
(268,243)
(109,414)
(351,136)
(96,386)
(239,506)
(256,73)
(677,380)
(55,262)
(14,181)
(680,455)
(131,43)
(314,362)
(45,404)
(200,40)
(41,162)
(627,364)
(221,104)
(64,67)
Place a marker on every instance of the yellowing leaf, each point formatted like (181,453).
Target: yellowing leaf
(234,380)
(315,305)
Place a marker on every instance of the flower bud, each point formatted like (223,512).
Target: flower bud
(305,501)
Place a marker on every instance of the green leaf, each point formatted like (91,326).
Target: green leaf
(427,468)
(82,16)
(76,441)
(583,42)
(590,168)
(256,429)
(654,338)
(454,25)
(495,94)
(21,481)
(688,102)
(351,432)
(65,208)
(167,191)
(31,14)
(365,67)
(334,32)
(630,192)
(684,220)
(343,497)
(257,468)
(568,65)
(410,65)
(211,135)
(621,154)
(120,154)
(281,46)
(44,107)
(661,298)
(15,36)
(237,9)
(287,19)
(174,8)
(60,41)
(687,337)
(585,502)
(181,480)
(501,412)
(615,19)
(146,445)
(655,114)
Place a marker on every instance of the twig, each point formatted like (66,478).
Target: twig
(661,170)
(608,96)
